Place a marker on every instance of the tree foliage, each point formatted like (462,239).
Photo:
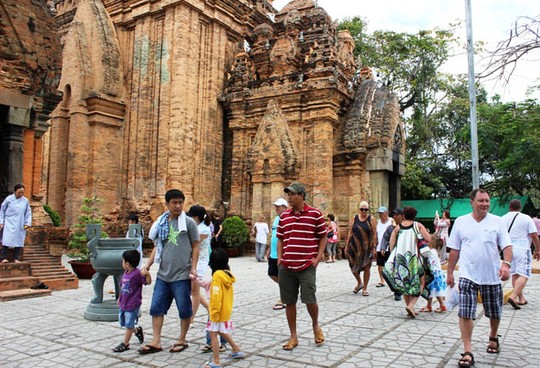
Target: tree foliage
(435,108)
(235,232)
(406,63)
(509,146)
(90,214)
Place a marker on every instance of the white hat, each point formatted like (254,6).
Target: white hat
(281,202)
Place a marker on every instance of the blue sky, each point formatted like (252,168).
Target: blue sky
(492,20)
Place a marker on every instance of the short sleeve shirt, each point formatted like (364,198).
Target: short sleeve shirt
(521,228)
(300,233)
(273,240)
(479,244)
(175,262)
(131,291)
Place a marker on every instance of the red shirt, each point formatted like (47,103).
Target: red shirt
(300,233)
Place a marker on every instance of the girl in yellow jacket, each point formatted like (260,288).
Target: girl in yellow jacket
(220,307)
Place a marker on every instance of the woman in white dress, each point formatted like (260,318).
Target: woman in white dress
(198,213)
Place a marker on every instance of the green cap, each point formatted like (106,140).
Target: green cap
(296,187)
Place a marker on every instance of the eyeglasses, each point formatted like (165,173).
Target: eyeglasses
(364,209)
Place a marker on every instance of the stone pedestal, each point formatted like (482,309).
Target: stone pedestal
(106,311)
(106,258)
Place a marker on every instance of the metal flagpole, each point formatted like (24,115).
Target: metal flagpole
(472,96)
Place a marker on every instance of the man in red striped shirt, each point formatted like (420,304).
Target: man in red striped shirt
(301,237)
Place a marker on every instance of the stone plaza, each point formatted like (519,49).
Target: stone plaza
(371,331)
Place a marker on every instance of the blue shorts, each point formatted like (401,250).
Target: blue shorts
(165,292)
(128,319)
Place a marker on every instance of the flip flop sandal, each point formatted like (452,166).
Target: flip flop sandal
(211,365)
(319,337)
(182,346)
(206,349)
(441,309)
(365,293)
(513,303)
(523,303)
(427,310)
(380,285)
(149,349)
(237,355)
(357,289)
(278,306)
(493,349)
(465,363)
(121,348)
(290,345)
(410,312)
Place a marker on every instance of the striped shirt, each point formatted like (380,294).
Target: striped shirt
(300,233)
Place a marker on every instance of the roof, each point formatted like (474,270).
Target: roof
(461,206)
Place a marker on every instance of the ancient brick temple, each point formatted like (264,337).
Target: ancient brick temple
(227,100)
(30,65)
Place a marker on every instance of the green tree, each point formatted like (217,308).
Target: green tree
(509,146)
(406,63)
(90,214)
(435,108)
(235,232)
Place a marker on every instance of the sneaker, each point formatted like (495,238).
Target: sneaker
(139,334)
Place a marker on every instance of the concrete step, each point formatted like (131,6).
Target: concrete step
(60,283)
(39,256)
(46,266)
(22,294)
(14,269)
(44,273)
(15,283)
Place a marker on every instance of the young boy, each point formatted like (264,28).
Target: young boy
(130,299)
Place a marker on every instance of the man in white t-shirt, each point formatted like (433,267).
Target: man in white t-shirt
(260,231)
(382,254)
(522,231)
(475,241)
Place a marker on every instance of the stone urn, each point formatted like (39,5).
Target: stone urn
(106,259)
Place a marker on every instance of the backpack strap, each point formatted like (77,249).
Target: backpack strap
(512,223)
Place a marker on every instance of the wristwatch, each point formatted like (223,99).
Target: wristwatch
(508,263)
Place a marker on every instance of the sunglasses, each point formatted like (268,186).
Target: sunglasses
(364,209)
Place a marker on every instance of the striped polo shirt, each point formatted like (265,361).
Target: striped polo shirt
(300,232)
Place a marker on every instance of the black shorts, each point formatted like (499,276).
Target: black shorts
(381,260)
(272,267)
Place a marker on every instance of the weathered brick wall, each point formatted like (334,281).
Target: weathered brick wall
(30,64)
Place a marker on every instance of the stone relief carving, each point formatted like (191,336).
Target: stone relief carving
(273,145)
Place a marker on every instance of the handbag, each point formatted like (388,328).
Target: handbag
(421,243)
(330,234)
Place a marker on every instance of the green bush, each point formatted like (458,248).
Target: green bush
(235,232)
(90,214)
(55,217)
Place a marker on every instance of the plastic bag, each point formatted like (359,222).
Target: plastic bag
(452,297)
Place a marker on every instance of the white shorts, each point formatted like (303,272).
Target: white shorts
(223,327)
(521,262)
(202,267)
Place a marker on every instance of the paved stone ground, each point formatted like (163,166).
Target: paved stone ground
(360,331)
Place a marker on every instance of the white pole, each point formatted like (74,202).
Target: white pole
(472,97)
